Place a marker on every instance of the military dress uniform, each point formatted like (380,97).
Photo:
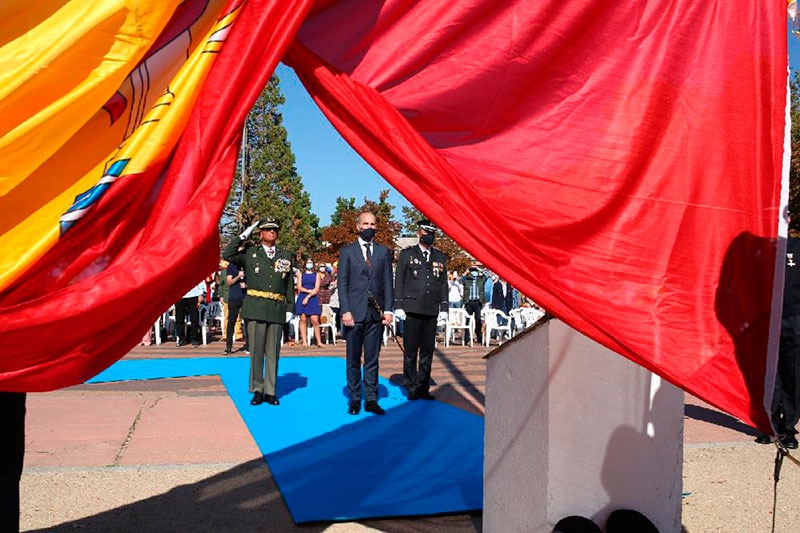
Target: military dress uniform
(421,291)
(270,294)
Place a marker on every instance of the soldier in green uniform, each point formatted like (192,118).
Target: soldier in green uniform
(270,294)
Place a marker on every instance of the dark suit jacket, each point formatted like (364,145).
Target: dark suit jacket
(504,304)
(421,287)
(355,279)
(260,274)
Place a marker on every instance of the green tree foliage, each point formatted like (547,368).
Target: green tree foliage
(343,205)
(794,167)
(343,231)
(267,182)
(457,258)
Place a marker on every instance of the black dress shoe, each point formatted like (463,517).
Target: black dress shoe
(374,408)
(789,442)
(227,351)
(764,439)
(258,399)
(576,524)
(627,520)
(271,399)
(426,396)
(353,408)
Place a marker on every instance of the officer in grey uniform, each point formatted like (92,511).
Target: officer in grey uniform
(421,298)
(270,294)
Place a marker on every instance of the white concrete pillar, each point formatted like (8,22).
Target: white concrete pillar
(574,429)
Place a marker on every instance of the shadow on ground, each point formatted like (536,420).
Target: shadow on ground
(244,498)
(718,418)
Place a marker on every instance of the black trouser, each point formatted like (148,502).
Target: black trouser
(419,340)
(786,399)
(473,307)
(234,306)
(183,308)
(12,452)
(367,336)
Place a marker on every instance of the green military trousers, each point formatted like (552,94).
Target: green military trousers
(264,340)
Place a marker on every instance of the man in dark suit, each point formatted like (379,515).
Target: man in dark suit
(503,300)
(270,294)
(502,296)
(365,273)
(785,409)
(421,292)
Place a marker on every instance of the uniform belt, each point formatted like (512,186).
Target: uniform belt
(267,295)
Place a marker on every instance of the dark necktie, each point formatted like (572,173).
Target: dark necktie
(368,247)
(425,253)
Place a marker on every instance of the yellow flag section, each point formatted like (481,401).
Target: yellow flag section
(90,93)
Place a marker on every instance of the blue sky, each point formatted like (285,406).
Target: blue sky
(330,168)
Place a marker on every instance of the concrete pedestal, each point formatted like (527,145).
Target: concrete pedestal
(574,429)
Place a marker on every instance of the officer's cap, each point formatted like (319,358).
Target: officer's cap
(426,225)
(269,223)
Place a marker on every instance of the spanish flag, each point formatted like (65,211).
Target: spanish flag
(621,163)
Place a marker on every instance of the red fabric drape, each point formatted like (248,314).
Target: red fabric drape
(151,237)
(619,163)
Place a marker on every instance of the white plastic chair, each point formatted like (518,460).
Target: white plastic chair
(168,319)
(516,322)
(531,315)
(458,318)
(209,313)
(295,323)
(491,319)
(330,322)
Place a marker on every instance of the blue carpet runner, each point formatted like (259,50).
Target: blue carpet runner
(420,458)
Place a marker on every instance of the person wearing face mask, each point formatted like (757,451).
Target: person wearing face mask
(270,290)
(366,298)
(455,290)
(475,297)
(421,292)
(307,305)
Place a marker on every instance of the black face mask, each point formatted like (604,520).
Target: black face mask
(367,234)
(427,239)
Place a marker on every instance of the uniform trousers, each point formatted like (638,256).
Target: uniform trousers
(366,336)
(12,451)
(786,398)
(419,339)
(264,340)
(474,307)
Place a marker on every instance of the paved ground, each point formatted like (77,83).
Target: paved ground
(170,454)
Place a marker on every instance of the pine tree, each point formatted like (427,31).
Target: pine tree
(267,182)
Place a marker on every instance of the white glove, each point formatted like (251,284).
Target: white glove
(442,318)
(289,316)
(249,231)
(400,314)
